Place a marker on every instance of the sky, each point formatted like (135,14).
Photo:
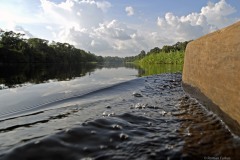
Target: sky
(117,27)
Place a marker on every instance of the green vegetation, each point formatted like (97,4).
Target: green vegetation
(15,49)
(166,55)
(154,69)
(163,58)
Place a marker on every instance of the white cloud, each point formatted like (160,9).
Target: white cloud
(194,25)
(183,28)
(120,38)
(87,25)
(15,12)
(18,29)
(82,24)
(217,14)
(74,21)
(129,10)
(72,13)
(104,5)
(21,30)
(115,30)
(49,28)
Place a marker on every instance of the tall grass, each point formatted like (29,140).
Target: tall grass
(155,69)
(163,58)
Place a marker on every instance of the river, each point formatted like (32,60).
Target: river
(106,112)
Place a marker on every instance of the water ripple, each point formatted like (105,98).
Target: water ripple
(162,123)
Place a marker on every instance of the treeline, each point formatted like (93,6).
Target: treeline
(167,54)
(115,59)
(15,49)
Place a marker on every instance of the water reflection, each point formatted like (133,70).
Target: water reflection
(16,75)
(19,74)
(154,69)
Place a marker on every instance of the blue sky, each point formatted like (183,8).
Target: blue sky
(117,27)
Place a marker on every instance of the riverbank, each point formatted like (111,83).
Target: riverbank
(176,57)
(145,118)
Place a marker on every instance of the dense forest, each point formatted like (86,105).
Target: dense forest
(15,49)
(166,55)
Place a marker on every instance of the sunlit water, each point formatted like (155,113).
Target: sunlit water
(110,113)
(55,94)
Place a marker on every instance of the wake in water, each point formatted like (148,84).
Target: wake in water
(146,118)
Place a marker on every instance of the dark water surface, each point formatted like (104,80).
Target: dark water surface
(17,75)
(98,117)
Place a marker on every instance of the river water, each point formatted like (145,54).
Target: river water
(106,112)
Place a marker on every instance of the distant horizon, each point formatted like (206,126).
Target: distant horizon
(55,42)
(113,28)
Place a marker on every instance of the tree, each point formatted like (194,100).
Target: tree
(167,49)
(180,46)
(142,54)
(38,44)
(11,40)
(154,50)
(15,49)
